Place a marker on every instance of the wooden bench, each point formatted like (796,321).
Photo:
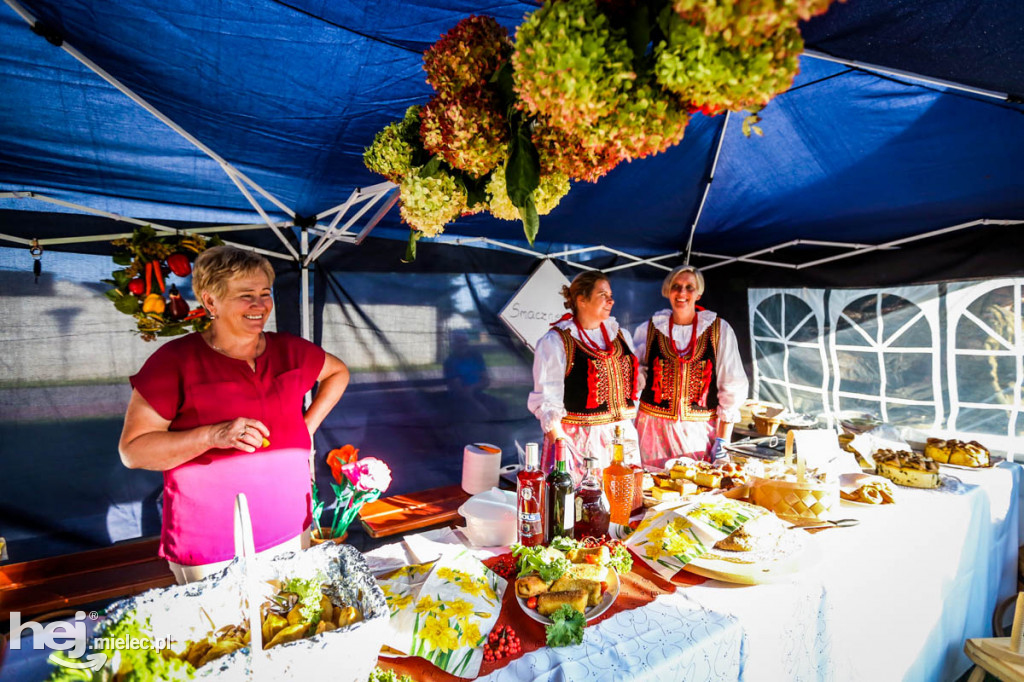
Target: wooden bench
(412,511)
(63,582)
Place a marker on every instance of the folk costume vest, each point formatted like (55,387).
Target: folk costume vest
(600,388)
(673,381)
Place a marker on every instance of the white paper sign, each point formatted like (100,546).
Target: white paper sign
(538,303)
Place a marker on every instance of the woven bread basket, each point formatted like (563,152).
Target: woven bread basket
(799,501)
(766,426)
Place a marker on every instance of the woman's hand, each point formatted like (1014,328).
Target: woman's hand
(555,433)
(242,434)
(333,380)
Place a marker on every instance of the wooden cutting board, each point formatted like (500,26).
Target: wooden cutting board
(412,511)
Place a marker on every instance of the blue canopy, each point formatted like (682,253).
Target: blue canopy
(290,93)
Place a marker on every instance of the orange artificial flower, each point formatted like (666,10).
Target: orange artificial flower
(338,458)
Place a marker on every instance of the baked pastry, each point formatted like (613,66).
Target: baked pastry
(969,454)
(763,532)
(549,602)
(530,585)
(871,491)
(591,587)
(907,468)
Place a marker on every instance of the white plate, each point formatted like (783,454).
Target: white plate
(592,612)
(796,552)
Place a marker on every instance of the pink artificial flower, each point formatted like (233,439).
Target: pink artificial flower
(368,474)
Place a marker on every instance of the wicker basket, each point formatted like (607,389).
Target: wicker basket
(798,501)
(766,426)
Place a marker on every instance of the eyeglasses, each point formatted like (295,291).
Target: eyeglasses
(679,287)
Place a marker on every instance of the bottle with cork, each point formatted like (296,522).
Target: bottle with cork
(530,506)
(619,483)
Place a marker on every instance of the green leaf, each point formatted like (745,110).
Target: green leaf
(122,259)
(566,627)
(410,248)
(522,173)
(431,168)
(531,221)
(129,305)
(114,295)
(502,79)
(121,278)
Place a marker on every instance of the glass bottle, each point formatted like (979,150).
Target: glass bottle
(592,509)
(619,483)
(561,494)
(530,499)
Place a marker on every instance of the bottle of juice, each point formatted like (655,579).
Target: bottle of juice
(619,483)
(561,494)
(530,496)
(592,509)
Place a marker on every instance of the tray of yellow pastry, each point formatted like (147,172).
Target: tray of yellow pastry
(686,477)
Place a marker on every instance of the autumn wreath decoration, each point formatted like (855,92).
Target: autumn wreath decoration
(140,288)
(586,85)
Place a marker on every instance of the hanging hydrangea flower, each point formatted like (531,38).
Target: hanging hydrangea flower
(394,148)
(706,71)
(749,22)
(546,197)
(564,153)
(467,55)
(467,129)
(650,122)
(428,204)
(572,66)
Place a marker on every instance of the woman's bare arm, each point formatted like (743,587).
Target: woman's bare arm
(147,444)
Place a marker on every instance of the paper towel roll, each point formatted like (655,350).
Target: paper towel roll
(480,467)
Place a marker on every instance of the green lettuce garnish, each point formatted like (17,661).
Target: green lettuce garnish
(566,627)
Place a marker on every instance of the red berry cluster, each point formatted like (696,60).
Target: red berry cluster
(504,565)
(501,643)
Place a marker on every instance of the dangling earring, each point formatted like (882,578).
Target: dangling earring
(209,315)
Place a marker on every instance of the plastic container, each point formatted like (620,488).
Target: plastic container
(490,518)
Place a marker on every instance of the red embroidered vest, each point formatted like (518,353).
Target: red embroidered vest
(599,388)
(671,380)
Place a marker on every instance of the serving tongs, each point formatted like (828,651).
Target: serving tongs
(818,525)
(761,448)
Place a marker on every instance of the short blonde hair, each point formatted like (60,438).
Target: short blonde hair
(666,285)
(218,264)
(582,285)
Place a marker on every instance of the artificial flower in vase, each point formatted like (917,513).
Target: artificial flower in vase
(356,482)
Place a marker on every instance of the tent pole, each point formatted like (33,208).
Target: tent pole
(304,289)
(707,188)
(263,214)
(334,234)
(907,75)
(133,221)
(377,217)
(907,240)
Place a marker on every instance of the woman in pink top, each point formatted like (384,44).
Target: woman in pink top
(221,413)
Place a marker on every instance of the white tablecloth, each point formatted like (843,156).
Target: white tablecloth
(891,599)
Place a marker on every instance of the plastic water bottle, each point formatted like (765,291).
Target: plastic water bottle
(718,452)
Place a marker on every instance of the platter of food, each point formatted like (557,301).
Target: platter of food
(552,600)
(865,490)
(957,454)
(584,578)
(764,550)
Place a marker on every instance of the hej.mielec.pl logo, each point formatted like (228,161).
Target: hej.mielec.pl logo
(72,637)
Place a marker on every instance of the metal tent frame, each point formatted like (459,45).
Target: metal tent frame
(328,226)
